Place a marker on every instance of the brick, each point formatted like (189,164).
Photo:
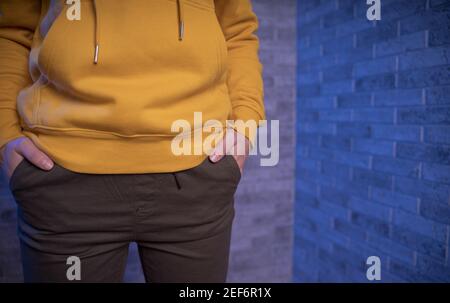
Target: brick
(400,44)
(320,128)
(383,31)
(352,159)
(421,225)
(438,37)
(424,152)
(396,167)
(398,97)
(348,229)
(432,19)
(375,66)
(374,147)
(351,188)
(337,73)
(337,46)
(354,100)
(304,6)
(433,269)
(384,115)
(423,189)
(319,10)
(318,64)
(406,272)
(392,132)
(434,3)
(333,195)
(310,53)
(437,134)
(434,115)
(336,17)
(336,142)
(353,129)
(336,87)
(358,54)
(418,242)
(370,208)
(320,153)
(438,95)
(394,199)
(390,247)
(353,26)
(308,116)
(399,9)
(322,36)
(338,170)
(318,102)
(307,78)
(308,139)
(374,83)
(370,224)
(367,177)
(308,164)
(437,212)
(432,76)
(436,172)
(338,211)
(310,90)
(335,115)
(424,58)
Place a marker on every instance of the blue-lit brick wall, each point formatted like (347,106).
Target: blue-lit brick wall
(373,141)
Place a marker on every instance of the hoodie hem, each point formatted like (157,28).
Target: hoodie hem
(113,156)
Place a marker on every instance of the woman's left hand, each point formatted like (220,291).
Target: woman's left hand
(234,144)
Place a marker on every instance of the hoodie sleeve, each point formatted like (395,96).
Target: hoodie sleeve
(18,20)
(245,84)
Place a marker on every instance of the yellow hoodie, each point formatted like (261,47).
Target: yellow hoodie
(100,94)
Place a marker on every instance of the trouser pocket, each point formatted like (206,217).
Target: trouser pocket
(16,173)
(200,207)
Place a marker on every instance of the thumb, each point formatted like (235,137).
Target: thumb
(30,151)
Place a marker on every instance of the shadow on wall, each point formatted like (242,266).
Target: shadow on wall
(373,143)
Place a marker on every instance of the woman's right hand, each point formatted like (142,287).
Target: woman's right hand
(14,152)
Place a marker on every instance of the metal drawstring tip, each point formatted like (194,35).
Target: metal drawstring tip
(181,31)
(96,54)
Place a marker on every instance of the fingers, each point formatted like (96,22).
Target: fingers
(218,152)
(29,150)
(222,148)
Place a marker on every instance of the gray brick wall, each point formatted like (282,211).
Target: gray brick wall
(261,247)
(262,236)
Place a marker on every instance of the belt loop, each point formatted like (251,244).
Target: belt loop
(176,180)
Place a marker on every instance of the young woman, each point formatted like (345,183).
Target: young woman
(89,92)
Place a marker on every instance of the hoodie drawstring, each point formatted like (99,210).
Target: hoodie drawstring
(95,4)
(97,38)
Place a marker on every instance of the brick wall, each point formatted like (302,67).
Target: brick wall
(373,141)
(262,237)
(261,249)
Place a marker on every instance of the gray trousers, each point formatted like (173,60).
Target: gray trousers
(181,222)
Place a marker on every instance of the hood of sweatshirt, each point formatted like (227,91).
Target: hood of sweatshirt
(112,83)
